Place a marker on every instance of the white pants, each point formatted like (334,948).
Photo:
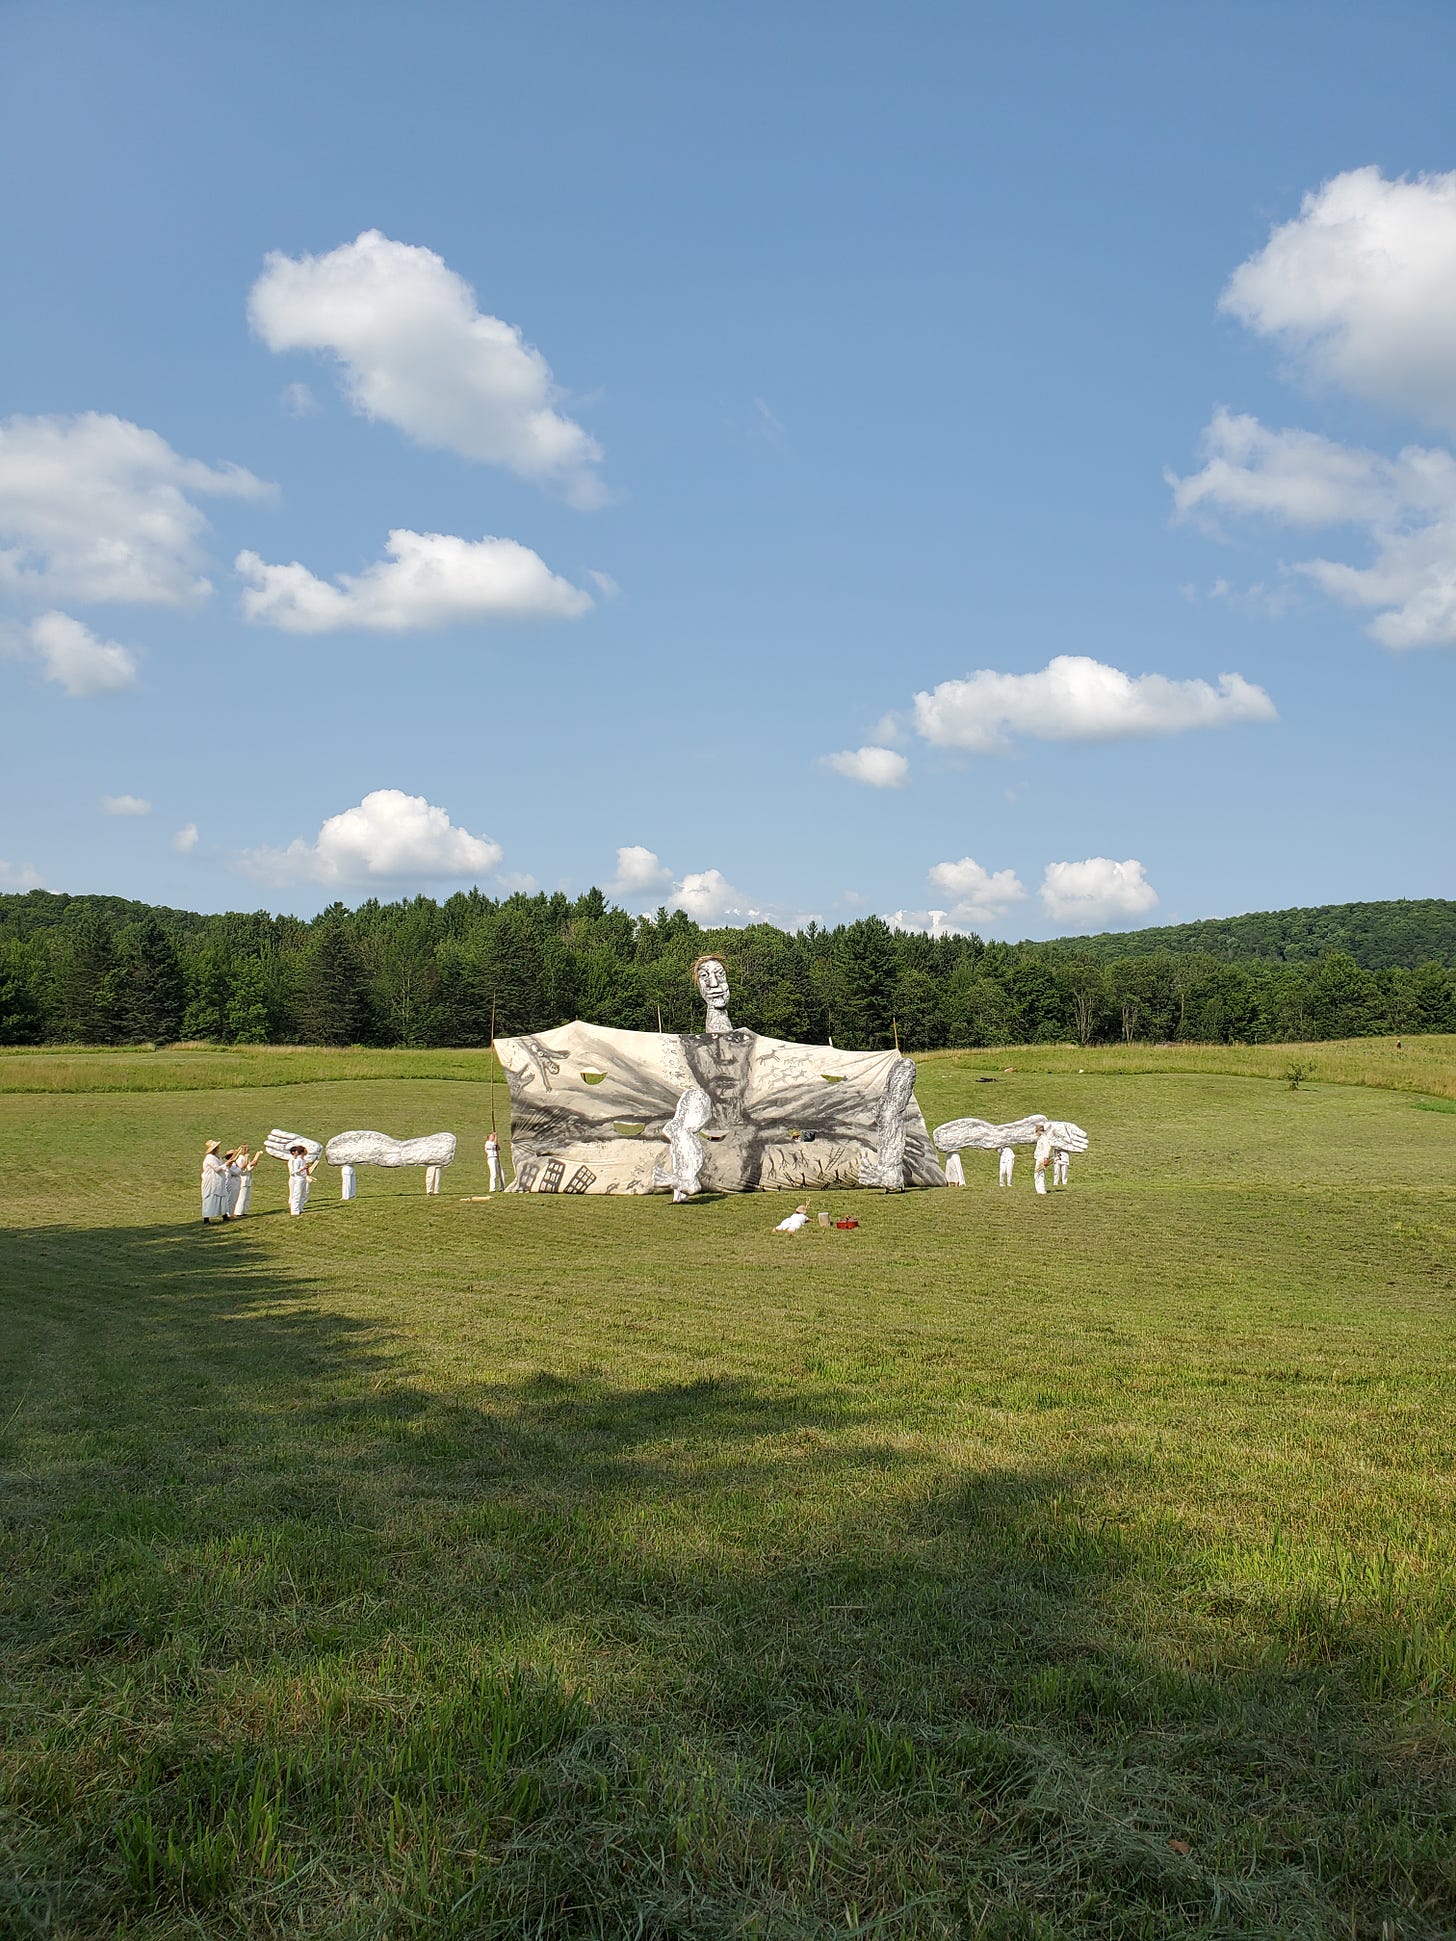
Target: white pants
(1061,1167)
(297,1195)
(1008,1164)
(245,1194)
(432,1179)
(955,1172)
(1041,1173)
(348,1183)
(497,1177)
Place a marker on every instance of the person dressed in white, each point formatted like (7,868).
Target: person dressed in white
(1042,1156)
(493,1163)
(1061,1166)
(348,1183)
(432,1179)
(244,1163)
(234,1180)
(1007,1167)
(955,1172)
(300,1178)
(214,1185)
(798,1218)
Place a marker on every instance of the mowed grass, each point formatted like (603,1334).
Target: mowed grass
(1008,1567)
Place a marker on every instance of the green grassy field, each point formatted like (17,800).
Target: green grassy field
(1006,1568)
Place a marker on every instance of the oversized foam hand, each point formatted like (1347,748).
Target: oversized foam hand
(278,1145)
(378,1149)
(956,1134)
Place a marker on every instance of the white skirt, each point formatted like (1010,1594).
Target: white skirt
(214,1195)
(245,1194)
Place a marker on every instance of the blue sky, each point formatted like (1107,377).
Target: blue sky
(795,361)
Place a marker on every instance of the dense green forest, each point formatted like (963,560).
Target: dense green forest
(101,970)
(1379,936)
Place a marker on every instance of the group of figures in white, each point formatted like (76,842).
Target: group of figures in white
(227,1177)
(738,1112)
(1049,1155)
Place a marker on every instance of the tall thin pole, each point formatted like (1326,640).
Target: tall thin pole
(492,1061)
(894,1026)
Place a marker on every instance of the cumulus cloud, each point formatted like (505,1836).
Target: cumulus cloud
(708,897)
(1075,698)
(389,837)
(1403,507)
(82,663)
(706,894)
(415,349)
(978,896)
(877,768)
(125,805)
(19,876)
(429,579)
(298,401)
(185,840)
(1303,479)
(94,508)
(931,923)
(1097,892)
(1360,289)
(640,873)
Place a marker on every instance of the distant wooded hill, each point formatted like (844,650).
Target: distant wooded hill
(104,970)
(1377,935)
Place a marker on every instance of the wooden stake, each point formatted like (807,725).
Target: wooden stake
(492,1061)
(894,1026)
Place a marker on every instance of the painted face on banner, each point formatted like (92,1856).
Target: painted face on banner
(713,983)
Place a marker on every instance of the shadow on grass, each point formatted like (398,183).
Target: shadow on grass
(295,1643)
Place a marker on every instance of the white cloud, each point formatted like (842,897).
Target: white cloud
(640,872)
(125,805)
(416,350)
(1404,508)
(19,876)
(298,401)
(185,840)
(706,894)
(1303,479)
(877,768)
(1095,893)
(933,923)
(978,896)
(708,897)
(1360,288)
(389,837)
(1075,698)
(95,508)
(430,579)
(82,663)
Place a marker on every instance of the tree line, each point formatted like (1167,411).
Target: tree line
(103,971)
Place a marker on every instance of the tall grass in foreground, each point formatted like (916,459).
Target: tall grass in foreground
(1008,1568)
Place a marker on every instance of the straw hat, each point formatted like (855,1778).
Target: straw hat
(212,1145)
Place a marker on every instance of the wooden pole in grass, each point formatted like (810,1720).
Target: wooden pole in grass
(894,1026)
(492,1061)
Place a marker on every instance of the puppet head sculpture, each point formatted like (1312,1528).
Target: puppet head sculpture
(712,982)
